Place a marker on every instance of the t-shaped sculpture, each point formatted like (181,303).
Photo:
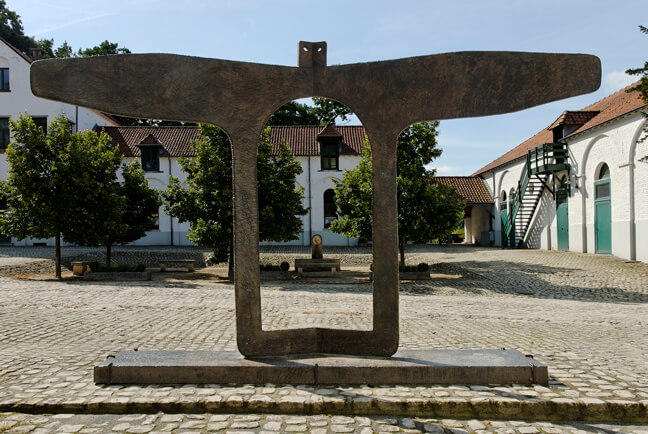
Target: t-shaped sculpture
(387,97)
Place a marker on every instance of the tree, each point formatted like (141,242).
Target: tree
(55,180)
(642,86)
(293,113)
(11,29)
(323,112)
(103,49)
(120,213)
(206,201)
(425,210)
(327,110)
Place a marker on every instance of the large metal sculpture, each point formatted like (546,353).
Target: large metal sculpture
(386,96)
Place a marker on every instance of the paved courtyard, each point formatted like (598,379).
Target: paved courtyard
(584,316)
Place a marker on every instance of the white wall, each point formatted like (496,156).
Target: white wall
(320,181)
(20,100)
(616,145)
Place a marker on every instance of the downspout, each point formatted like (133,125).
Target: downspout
(76,118)
(310,205)
(170,217)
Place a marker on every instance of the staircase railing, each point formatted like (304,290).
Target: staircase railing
(544,159)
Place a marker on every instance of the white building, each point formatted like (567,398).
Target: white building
(580,184)
(16,98)
(323,153)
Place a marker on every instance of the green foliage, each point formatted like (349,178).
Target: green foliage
(64,51)
(327,110)
(323,112)
(284,266)
(206,201)
(641,87)
(422,267)
(11,29)
(103,49)
(425,209)
(353,199)
(57,182)
(293,113)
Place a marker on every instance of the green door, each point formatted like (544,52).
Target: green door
(602,216)
(503,214)
(603,226)
(562,219)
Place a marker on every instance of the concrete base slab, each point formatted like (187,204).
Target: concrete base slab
(419,367)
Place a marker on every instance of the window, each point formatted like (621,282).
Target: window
(602,184)
(330,155)
(150,158)
(4,133)
(40,121)
(604,172)
(4,79)
(330,211)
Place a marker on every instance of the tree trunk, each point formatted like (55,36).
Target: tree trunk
(108,254)
(401,244)
(58,255)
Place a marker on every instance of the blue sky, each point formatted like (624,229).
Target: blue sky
(360,31)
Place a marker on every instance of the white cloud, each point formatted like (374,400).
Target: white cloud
(448,170)
(617,80)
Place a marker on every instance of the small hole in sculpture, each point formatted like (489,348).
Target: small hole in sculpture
(305,48)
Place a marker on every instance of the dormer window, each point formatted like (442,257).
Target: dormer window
(151,149)
(151,158)
(330,156)
(330,141)
(4,79)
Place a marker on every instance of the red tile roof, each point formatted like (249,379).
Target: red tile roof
(176,141)
(302,140)
(573,118)
(471,188)
(615,105)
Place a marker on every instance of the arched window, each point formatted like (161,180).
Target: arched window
(604,172)
(330,211)
(602,184)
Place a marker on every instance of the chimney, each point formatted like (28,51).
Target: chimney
(37,53)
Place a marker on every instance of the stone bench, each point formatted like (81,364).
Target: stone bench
(310,266)
(80,267)
(189,263)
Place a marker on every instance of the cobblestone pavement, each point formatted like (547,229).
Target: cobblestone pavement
(585,316)
(320,424)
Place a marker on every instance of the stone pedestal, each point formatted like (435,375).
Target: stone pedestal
(417,367)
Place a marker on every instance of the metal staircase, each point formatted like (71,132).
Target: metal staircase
(542,164)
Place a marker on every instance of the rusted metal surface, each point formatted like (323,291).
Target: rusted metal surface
(387,96)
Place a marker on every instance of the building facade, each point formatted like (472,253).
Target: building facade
(580,184)
(323,153)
